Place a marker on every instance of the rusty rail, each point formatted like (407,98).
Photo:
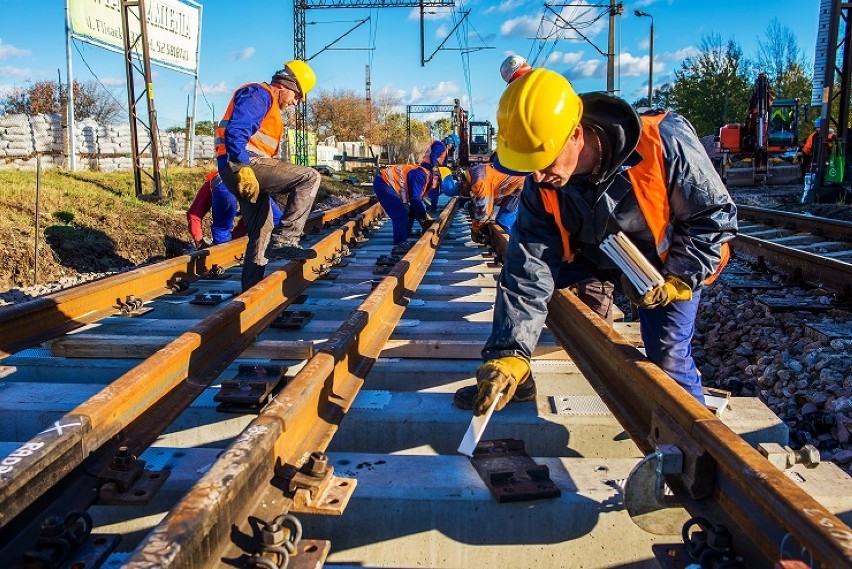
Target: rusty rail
(822,226)
(746,491)
(302,419)
(25,325)
(144,401)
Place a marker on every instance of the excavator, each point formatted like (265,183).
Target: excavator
(761,151)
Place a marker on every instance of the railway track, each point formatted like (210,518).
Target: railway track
(295,482)
(814,249)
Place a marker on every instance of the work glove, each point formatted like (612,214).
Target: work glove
(501,375)
(247,186)
(673,289)
(203,243)
(797,159)
(480,233)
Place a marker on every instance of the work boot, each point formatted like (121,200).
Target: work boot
(281,248)
(466,396)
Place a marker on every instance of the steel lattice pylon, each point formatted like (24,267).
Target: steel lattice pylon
(300,49)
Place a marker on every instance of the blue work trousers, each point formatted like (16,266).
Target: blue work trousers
(432,196)
(396,210)
(666,332)
(508,213)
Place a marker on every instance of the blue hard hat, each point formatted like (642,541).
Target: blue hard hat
(818,122)
(449,187)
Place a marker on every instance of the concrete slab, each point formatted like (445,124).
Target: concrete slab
(414,511)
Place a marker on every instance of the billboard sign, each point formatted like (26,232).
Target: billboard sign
(174,28)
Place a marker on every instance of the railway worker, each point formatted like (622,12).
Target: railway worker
(400,190)
(214,195)
(806,154)
(247,141)
(596,168)
(437,157)
(488,187)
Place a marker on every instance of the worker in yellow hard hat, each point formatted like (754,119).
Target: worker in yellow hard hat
(247,141)
(595,169)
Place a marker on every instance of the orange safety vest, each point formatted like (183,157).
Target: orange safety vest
(396,177)
(648,178)
(265,141)
(489,185)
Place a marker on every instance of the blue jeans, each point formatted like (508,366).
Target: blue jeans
(666,332)
(396,210)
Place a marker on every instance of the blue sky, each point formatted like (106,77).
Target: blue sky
(248,40)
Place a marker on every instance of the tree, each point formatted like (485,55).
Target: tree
(444,126)
(44,97)
(341,113)
(712,87)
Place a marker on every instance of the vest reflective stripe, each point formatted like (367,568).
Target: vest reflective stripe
(551,205)
(396,177)
(265,141)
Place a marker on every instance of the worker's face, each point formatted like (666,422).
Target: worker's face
(558,173)
(286,97)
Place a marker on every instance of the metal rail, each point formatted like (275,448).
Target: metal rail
(25,325)
(302,419)
(729,481)
(140,404)
(822,226)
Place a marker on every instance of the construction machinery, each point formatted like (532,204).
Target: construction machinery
(762,150)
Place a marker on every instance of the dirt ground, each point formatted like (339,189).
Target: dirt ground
(91,223)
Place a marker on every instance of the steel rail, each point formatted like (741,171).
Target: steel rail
(813,268)
(300,420)
(822,226)
(638,393)
(27,324)
(140,404)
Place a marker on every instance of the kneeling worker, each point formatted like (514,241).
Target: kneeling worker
(595,169)
(488,187)
(247,141)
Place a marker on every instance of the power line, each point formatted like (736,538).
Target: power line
(95,75)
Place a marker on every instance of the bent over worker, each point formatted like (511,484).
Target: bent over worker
(214,195)
(595,169)
(247,142)
(488,187)
(400,190)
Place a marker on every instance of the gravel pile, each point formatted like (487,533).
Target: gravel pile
(23,294)
(741,346)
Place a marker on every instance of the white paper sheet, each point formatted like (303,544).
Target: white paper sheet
(476,428)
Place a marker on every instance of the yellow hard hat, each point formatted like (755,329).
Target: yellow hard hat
(445,172)
(302,73)
(536,116)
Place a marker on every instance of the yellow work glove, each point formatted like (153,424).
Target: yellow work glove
(501,375)
(673,289)
(247,186)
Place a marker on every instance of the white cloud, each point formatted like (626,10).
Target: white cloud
(113,81)
(678,55)
(242,54)
(558,57)
(442,31)
(587,69)
(504,6)
(220,88)
(8,72)
(556,28)
(7,51)
(431,13)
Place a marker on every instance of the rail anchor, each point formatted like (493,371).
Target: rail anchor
(648,499)
(315,489)
(126,482)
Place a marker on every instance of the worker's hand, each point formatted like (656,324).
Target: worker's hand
(480,233)
(501,375)
(797,159)
(247,186)
(203,243)
(673,289)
